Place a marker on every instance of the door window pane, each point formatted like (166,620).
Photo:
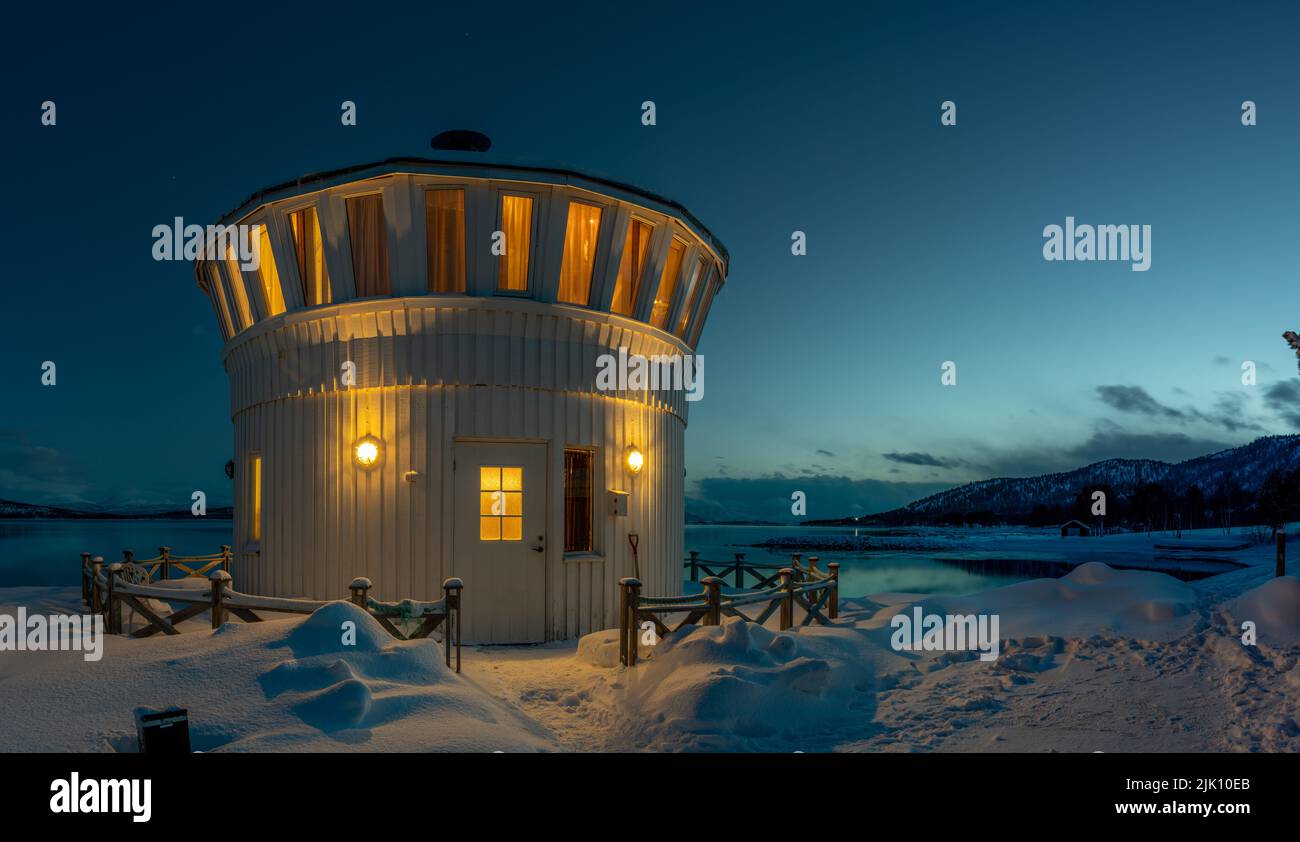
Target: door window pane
(500,503)
(579,253)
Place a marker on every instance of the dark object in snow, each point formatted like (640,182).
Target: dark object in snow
(163,731)
(1293,339)
(462,140)
(1078,527)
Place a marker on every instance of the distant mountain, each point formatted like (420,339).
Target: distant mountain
(1246,467)
(13,510)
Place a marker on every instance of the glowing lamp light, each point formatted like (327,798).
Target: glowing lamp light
(635,460)
(366,451)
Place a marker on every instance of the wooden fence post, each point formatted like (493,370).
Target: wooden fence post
(1281,550)
(360,589)
(787,602)
(96,570)
(219,579)
(740,571)
(713,593)
(451,589)
(812,563)
(85,571)
(165,553)
(628,604)
(835,588)
(695,565)
(114,608)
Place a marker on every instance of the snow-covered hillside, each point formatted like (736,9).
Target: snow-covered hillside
(1246,467)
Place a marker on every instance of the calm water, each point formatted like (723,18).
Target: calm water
(860,573)
(48,552)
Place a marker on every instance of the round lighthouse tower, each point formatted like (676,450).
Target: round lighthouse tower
(420,355)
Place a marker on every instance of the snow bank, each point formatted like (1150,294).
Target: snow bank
(279,685)
(1092,599)
(1274,607)
(741,687)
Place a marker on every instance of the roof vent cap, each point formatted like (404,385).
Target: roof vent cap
(461,140)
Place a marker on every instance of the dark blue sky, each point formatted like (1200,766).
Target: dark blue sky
(925,242)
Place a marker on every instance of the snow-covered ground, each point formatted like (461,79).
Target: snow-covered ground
(1098,660)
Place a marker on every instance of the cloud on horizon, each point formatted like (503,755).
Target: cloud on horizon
(922,459)
(1283,398)
(1228,411)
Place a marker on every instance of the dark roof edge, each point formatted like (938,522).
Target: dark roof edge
(262,196)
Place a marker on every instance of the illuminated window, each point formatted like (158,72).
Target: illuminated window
(267,274)
(500,503)
(517,225)
(630,269)
(579,253)
(577,500)
(668,284)
(711,291)
(238,290)
(692,290)
(310,252)
(369,238)
(219,296)
(444,225)
(255,527)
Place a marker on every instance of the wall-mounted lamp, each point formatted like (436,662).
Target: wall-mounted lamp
(634,460)
(367,451)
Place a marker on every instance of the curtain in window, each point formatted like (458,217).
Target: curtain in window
(267,273)
(577,501)
(238,290)
(369,238)
(628,283)
(704,309)
(219,296)
(517,225)
(698,277)
(444,222)
(579,253)
(668,284)
(310,251)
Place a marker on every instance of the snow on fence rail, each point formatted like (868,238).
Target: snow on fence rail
(808,587)
(125,584)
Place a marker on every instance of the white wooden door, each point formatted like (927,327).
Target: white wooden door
(500,540)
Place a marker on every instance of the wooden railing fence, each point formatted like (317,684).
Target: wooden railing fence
(810,588)
(107,591)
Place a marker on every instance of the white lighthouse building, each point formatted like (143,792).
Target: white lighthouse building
(414,367)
